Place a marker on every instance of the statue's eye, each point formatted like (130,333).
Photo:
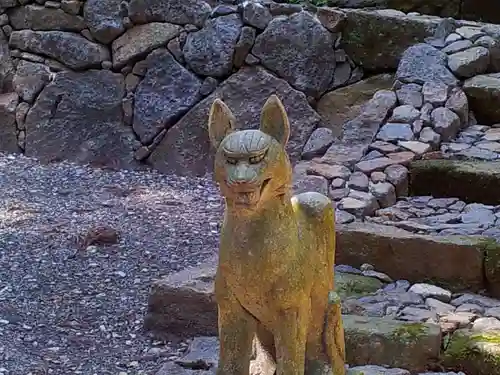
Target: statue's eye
(256,159)
(232,161)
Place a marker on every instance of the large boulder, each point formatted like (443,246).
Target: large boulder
(300,50)
(174,11)
(483,92)
(185,149)
(423,63)
(344,104)
(376,40)
(165,94)
(78,117)
(210,51)
(104,19)
(38,17)
(70,49)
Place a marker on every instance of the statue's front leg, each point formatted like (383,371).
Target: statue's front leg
(291,336)
(236,331)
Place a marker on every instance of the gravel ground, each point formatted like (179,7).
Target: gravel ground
(71,304)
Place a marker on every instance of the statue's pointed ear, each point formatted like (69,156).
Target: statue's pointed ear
(274,120)
(221,122)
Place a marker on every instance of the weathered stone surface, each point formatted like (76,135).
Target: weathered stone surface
(483,92)
(186,149)
(397,347)
(300,50)
(445,122)
(37,17)
(8,139)
(421,63)
(71,49)
(376,370)
(104,19)
(256,15)
(367,33)
(243,46)
(210,51)
(384,192)
(317,144)
(165,94)
(410,94)
(469,181)
(435,93)
(302,184)
(459,104)
(339,106)
(6,66)
(405,113)
(140,40)
(395,132)
(30,79)
(78,117)
(184,302)
(470,62)
(412,257)
(185,12)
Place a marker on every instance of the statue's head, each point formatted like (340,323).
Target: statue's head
(251,166)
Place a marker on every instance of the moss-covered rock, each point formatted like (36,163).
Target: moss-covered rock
(391,342)
(491,249)
(350,285)
(475,353)
(470,181)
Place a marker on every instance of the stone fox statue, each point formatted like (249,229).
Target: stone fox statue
(274,279)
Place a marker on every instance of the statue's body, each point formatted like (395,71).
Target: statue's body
(276,254)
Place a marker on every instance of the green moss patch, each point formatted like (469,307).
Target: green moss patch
(351,285)
(475,353)
(473,182)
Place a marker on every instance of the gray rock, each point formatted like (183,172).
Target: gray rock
(186,148)
(202,350)
(439,307)
(359,205)
(193,12)
(140,40)
(38,17)
(457,46)
(209,52)
(6,66)
(384,192)
(483,92)
(342,217)
(469,32)
(470,62)
(317,144)
(78,117)
(405,113)
(410,94)
(302,184)
(422,63)
(338,183)
(445,122)
(429,136)
(8,138)
(256,15)
(435,93)
(329,171)
(376,370)
(30,79)
(470,307)
(342,75)
(479,216)
(104,19)
(428,290)
(300,50)
(415,314)
(395,132)
(475,299)
(425,113)
(165,94)
(486,324)
(459,104)
(397,175)
(70,49)
(358,181)
(243,46)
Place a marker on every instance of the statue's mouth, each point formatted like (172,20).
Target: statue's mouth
(249,197)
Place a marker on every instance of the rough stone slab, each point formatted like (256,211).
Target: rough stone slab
(79,117)
(186,148)
(413,257)
(104,19)
(184,303)
(37,17)
(367,33)
(371,340)
(70,49)
(471,181)
(483,92)
(8,139)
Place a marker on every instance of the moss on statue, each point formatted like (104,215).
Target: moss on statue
(474,353)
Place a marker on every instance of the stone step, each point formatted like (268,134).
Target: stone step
(422,258)
(471,181)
